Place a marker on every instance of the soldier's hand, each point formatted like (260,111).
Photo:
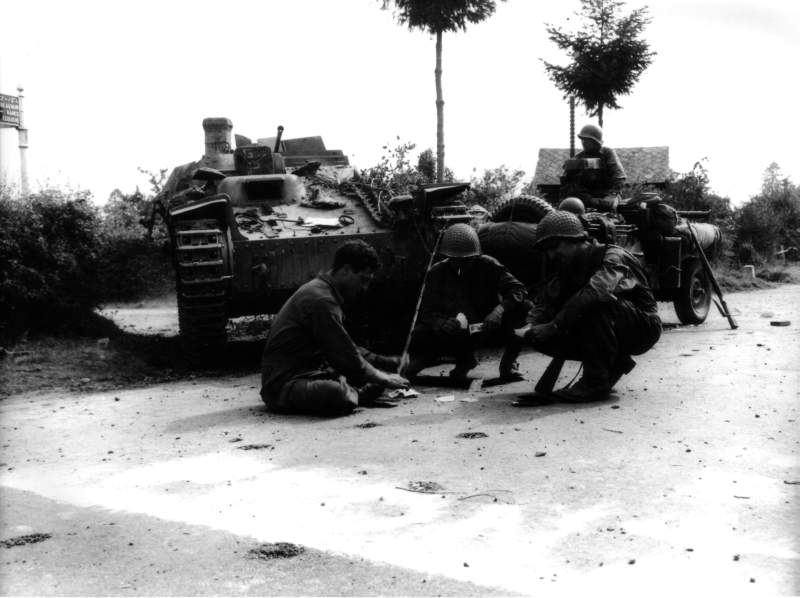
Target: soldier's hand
(494,319)
(395,381)
(451,326)
(522,332)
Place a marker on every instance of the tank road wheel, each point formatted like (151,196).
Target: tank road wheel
(693,298)
(202,251)
(524,208)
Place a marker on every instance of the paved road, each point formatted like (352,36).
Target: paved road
(686,481)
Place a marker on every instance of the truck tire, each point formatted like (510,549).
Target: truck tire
(524,208)
(693,298)
(202,261)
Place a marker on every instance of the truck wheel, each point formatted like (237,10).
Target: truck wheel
(693,298)
(524,208)
(202,259)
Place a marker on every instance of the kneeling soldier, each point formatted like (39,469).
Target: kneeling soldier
(464,290)
(597,308)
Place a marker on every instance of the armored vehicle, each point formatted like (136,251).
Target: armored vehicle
(248,225)
(671,244)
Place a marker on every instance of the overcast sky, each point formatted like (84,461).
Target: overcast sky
(111,86)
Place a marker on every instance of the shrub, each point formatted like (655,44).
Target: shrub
(495,186)
(49,245)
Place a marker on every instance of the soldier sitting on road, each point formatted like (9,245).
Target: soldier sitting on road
(464,292)
(310,364)
(597,308)
(598,184)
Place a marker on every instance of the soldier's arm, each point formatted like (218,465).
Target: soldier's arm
(338,349)
(601,288)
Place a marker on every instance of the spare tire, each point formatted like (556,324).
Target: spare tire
(524,208)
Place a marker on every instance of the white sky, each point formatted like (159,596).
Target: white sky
(110,86)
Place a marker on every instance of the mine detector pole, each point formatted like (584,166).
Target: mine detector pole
(419,299)
(721,305)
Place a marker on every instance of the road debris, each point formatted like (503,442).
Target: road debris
(403,393)
(540,453)
(424,488)
(26,539)
(278,550)
(610,430)
(445,398)
(473,435)
(367,425)
(255,447)
(780,323)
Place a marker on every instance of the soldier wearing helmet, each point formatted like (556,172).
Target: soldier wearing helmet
(597,307)
(600,176)
(469,298)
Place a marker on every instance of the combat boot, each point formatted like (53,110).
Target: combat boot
(623,365)
(584,391)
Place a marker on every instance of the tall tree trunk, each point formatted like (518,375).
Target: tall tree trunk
(600,115)
(439,111)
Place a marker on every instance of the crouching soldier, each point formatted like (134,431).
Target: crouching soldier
(310,364)
(467,292)
(597,308)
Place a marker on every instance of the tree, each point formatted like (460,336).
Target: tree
(607,55)
(437,17)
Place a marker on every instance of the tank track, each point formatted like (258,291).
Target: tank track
(201,250)
(366,195)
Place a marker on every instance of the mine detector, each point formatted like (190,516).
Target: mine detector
(673,246)
(249,225)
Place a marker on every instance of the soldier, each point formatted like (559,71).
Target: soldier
(597,308)
(465,292)
(598,185)
(310,364)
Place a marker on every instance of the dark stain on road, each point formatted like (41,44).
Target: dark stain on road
(278,550)
(26,539)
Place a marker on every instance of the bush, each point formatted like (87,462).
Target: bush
(495,186)
(769,221)
(49,246)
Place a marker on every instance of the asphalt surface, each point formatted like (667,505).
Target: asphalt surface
(686,481)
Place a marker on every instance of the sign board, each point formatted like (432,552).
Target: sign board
(9,111)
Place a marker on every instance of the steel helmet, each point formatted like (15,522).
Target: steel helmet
(592,132)
(572,204)
(559,225)
(460,240)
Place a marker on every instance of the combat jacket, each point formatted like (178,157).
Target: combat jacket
(308,335)
(475,291)
(608,179)
(607,274)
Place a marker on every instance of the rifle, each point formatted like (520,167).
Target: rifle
(549,377)
(721,305)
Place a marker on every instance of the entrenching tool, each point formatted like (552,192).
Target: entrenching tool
(721,305)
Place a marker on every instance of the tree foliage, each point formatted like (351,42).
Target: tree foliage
(495,186)
(439,16)
(770,220)
(607,55)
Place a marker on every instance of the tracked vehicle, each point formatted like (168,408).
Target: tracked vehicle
(248,225)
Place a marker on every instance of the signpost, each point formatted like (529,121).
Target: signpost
(11,117)
(9,111)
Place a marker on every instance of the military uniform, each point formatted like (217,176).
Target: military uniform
(474,288)
(310,364)
(603,311)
